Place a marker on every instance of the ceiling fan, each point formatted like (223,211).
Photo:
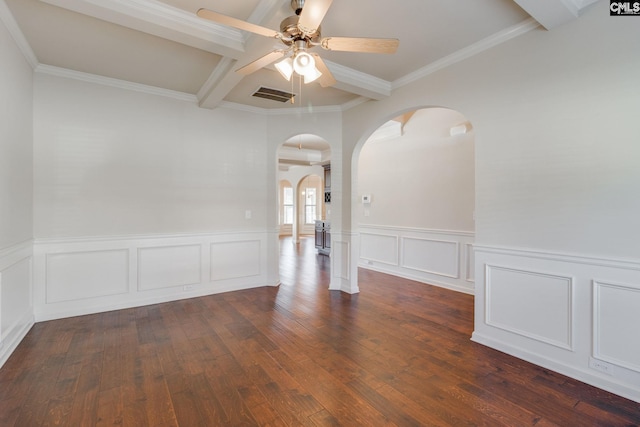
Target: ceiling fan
(300,33)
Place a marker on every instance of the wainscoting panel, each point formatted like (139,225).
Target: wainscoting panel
(81,275)
(616,312)
(73,277)
(437,257)
(469,267)
(535,305)
(382,248)
(16,290)
(572,314)
(16,294)
(233,260)
(168,266)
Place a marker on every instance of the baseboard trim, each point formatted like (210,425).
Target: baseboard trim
(561,368)
(429,281)
(43,316)
(14,338)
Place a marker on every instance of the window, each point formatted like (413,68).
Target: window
(287,205)
(310,205)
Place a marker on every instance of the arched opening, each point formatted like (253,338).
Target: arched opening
(304,161)
(415,198)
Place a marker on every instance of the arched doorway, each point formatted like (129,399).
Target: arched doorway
(415,198)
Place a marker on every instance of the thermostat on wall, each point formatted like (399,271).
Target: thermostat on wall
(366,198)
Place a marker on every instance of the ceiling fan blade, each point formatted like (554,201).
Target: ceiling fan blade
(312,14)
(261,62)
(326,79)
(237,23)
(355,44)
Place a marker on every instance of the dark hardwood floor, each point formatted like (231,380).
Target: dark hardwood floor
(397,354)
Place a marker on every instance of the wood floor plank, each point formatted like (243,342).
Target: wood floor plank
(397,354)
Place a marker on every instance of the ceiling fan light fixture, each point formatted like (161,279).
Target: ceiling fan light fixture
(304,63)
(285,68)
(312,75)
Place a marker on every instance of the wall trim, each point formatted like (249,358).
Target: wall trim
(116,83)
(124,237)
(163,283)
(455,266)
(562,257)
(469,51)
(437,273)
(609,384)
(9,345)
(571,301)
(416,278)
(597,286)
(16,33)
(418,230)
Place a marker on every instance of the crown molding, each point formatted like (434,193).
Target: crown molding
(16,33)
(354,103)
(116,83)
(469,51)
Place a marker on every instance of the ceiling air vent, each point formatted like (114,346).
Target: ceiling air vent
(273,94)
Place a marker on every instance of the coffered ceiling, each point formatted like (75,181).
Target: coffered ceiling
(163,46)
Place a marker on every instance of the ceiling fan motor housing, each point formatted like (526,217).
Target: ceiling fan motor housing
(289,28)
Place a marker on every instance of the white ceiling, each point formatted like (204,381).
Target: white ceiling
(163,46)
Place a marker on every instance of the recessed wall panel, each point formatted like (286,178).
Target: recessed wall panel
(168,266)
(431,256)
(379,247)
(76,276)
(616,321)
(232,260)
(15,294)
(530,303)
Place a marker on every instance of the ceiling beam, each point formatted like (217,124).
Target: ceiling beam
(162,20)
(550,13)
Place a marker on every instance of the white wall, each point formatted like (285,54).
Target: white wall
(557,172)
(419,222)
(16,210)
(427,172)
(141,198)
(114,162)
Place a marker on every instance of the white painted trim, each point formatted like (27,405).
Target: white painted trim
(469,266)
(416,278)
(419,230)
(49,256)
(119,238)
(467,52)
(12,254)
(12,26)
(457,261)
(99,308)
(597,285)
(169,22)
(396,261)
(571,370)
(561,257)
(8,346)
(349,76)
(570,309)
(117,83)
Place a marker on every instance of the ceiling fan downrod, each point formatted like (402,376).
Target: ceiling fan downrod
(297,6)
